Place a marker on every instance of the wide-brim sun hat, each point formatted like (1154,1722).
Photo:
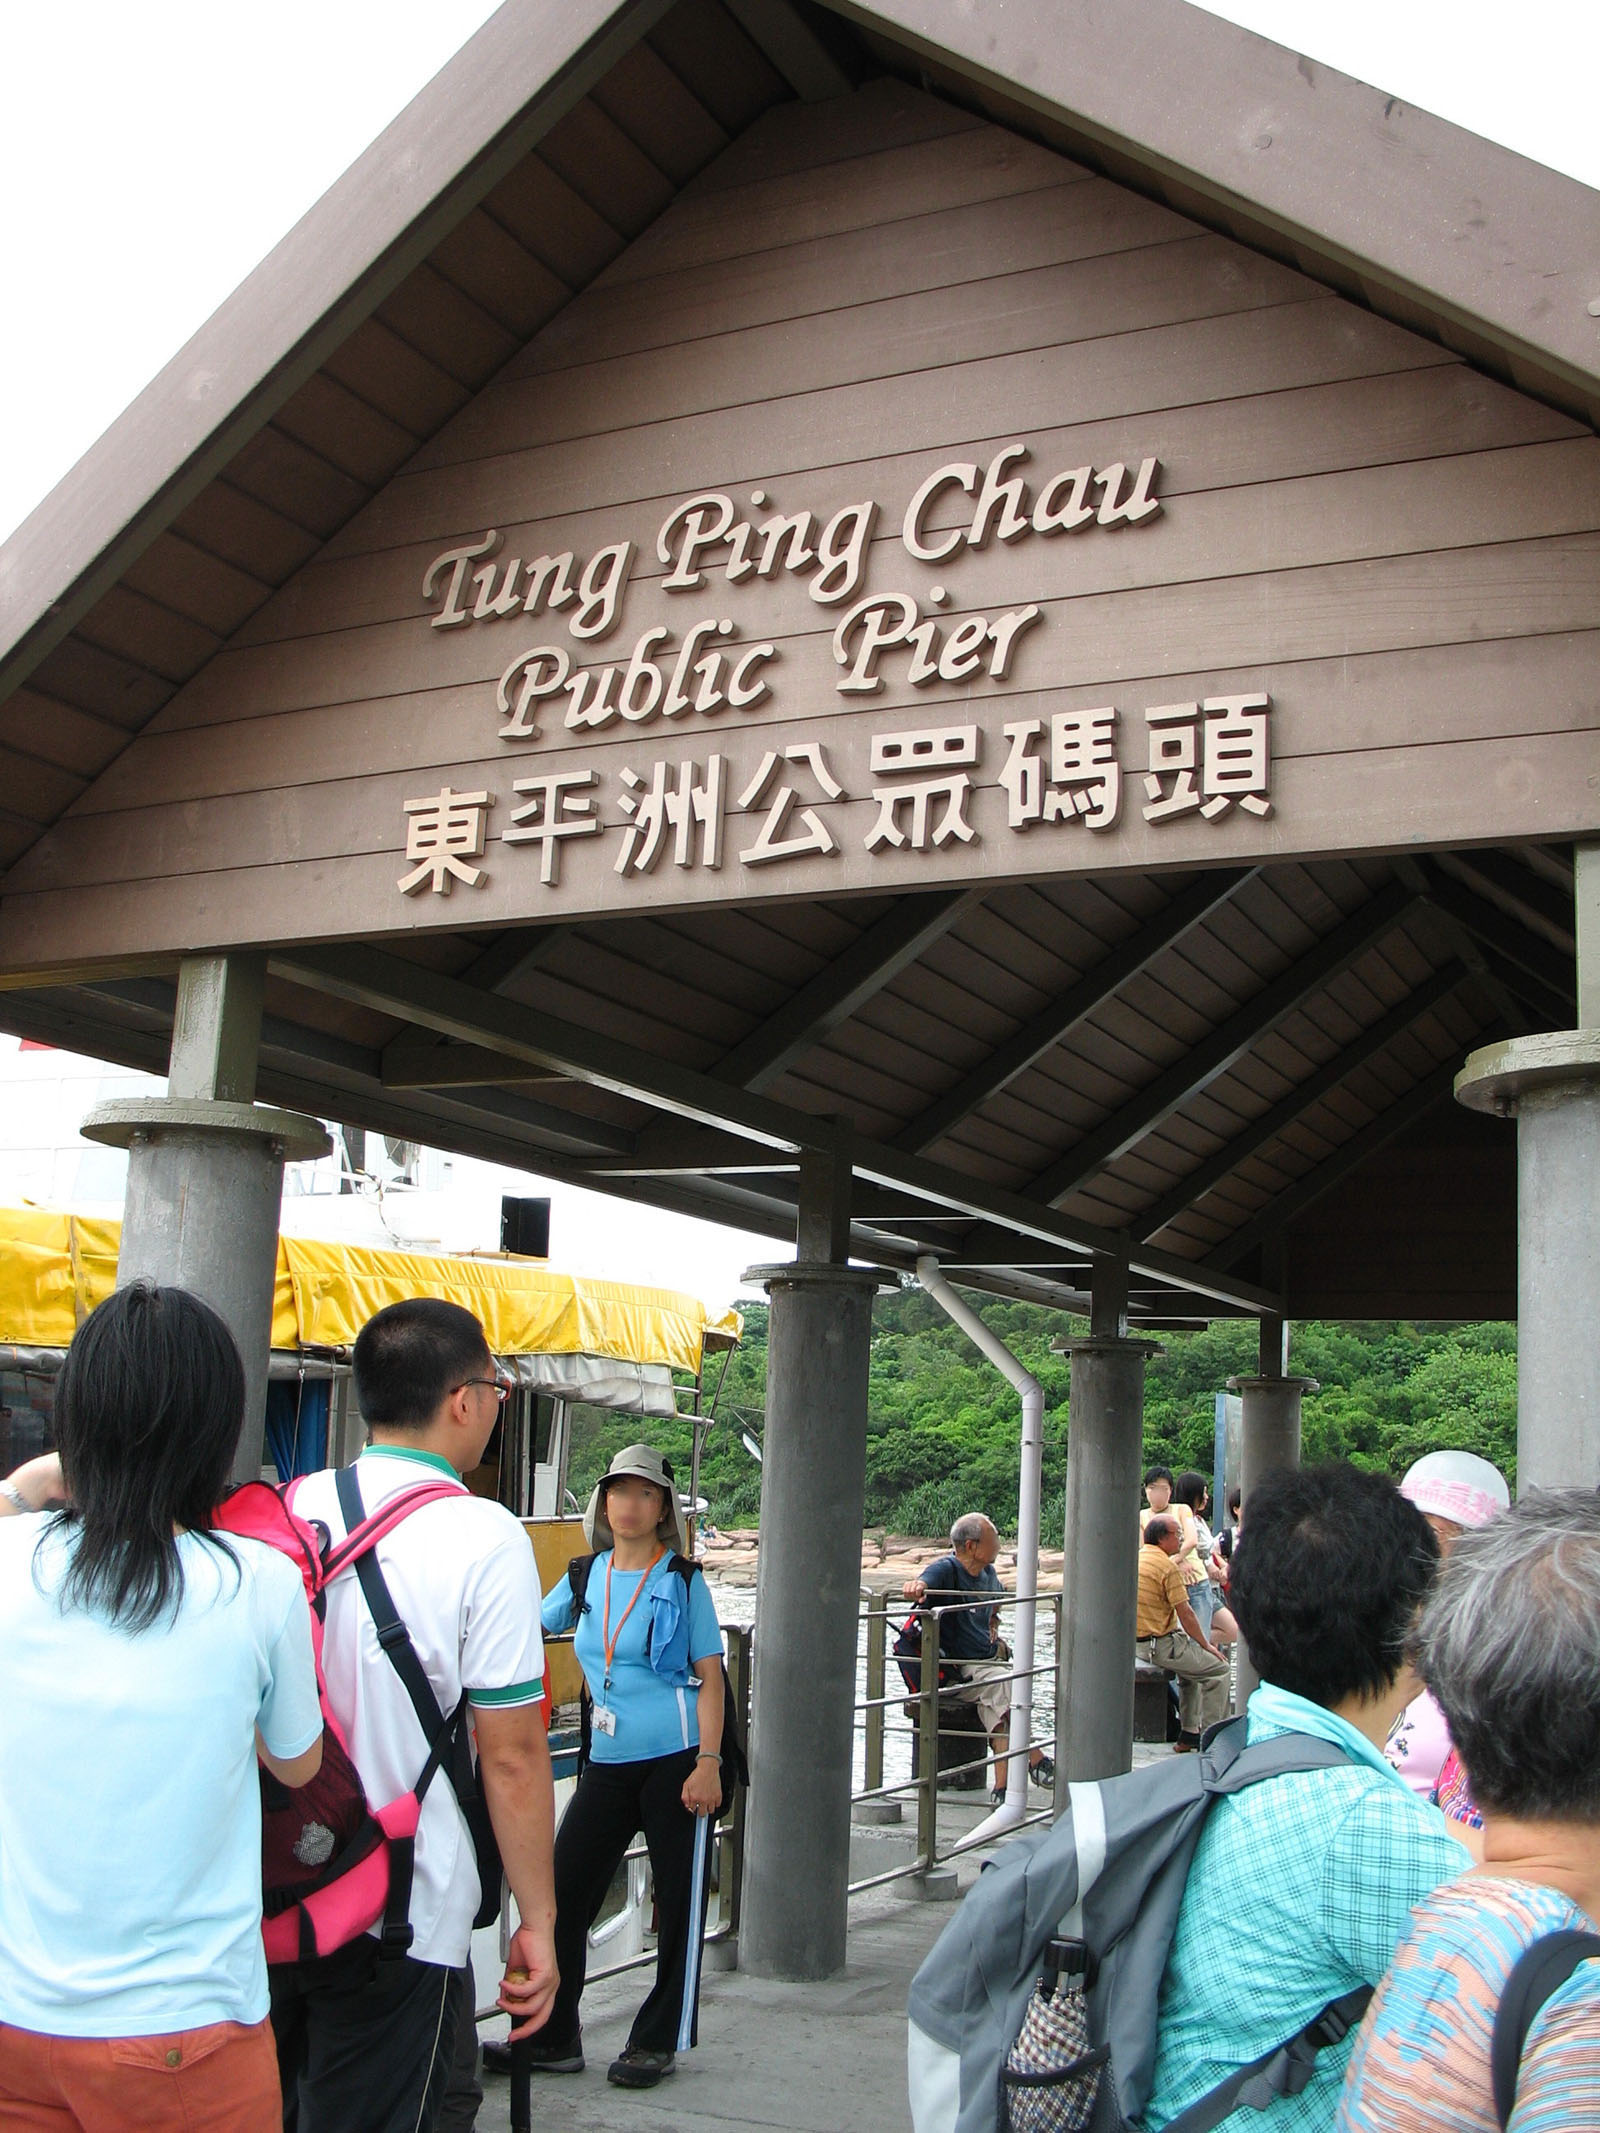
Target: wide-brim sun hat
(645,1463)
(1459,1486)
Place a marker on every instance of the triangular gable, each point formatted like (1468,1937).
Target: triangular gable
(1396,553)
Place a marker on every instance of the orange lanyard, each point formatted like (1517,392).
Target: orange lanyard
(608,1643)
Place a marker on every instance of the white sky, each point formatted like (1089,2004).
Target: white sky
(153,152)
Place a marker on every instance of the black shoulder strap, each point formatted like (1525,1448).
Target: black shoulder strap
(1536,1974)
(1283,2072)
(578,1578)
(437,1726)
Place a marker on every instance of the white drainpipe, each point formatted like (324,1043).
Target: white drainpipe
(1015,1804)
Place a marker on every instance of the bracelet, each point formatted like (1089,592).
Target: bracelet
(705,1756)
(12,1494)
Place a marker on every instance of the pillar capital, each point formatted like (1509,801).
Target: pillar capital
(817,1274)
(1273,1382)
(1500,1077)
(1104,1344)
(127,1120)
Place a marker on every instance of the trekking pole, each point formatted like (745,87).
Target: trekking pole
(521,2089)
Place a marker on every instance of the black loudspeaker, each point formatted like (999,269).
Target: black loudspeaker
(525,1227)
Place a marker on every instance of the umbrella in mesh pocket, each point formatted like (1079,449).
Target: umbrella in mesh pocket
(1052,2074)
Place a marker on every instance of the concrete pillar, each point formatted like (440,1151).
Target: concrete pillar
(1105,1445)
(1550,1084)
(205,1169)
(1271,1439)
(813,1491)
(1271,1433)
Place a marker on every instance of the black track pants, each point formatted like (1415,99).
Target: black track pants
(363,2046)
(613,1802)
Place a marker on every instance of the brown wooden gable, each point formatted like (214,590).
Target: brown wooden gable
(1401,553)
(1201,1043)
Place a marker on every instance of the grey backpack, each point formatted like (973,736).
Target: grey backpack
(1106,1880)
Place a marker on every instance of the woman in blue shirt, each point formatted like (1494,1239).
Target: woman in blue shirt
(145,1661)
(651,1652)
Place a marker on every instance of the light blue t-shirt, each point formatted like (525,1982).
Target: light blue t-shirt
(130,1817)
(654,1705)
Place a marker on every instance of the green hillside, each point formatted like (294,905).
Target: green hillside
(943,1423)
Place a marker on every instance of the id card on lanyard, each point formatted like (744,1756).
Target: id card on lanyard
(604,1719)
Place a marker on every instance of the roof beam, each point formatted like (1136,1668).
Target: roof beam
(424,1063)
(873,959)
(299,1042)
(498,968)
(691,1151)
(1552,975)
(1052,1024)
(1417,1102)
(1525,897)
(373,978)
(1282,1115)
(793,47)
(1224,1046)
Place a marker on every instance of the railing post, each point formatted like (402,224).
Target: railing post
(928,1745)
(733,1832)
(877,1647)
(932,1881)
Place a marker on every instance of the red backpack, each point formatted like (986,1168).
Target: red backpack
(331,1863)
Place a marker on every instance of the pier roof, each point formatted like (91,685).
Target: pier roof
(1192,1054)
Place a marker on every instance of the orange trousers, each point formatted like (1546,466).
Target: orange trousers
(221,2079)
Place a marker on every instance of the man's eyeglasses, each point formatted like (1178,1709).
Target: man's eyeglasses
(498,1386)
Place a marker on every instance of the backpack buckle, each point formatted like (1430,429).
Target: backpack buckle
(394,1940)
(393,1633)
(1330,2027)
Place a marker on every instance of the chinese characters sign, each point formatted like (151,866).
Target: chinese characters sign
(748,792)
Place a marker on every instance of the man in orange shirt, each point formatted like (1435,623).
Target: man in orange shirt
(1169,1633)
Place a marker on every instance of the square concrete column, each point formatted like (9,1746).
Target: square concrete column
(1100,1577)
(205,1170)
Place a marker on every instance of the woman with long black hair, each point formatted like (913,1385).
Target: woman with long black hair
(144,1662)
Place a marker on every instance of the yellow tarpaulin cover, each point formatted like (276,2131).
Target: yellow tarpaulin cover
(55,1268)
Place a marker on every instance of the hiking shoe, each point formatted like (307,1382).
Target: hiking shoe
(1042,1773)
(539,2056)
(1186,1744)
(639,2069)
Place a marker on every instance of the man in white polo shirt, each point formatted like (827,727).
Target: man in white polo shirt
(364,2035)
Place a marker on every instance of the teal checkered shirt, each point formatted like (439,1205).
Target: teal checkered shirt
(1300,1891)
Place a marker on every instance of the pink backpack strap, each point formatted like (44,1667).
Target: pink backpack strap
(377,1524)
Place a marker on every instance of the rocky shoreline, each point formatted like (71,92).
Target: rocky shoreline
(887,1559)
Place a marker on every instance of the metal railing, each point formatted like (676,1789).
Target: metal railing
(923,1707)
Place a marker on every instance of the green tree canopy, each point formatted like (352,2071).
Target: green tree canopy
(943,1424)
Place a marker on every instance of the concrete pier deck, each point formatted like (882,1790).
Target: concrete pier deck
(826,2058)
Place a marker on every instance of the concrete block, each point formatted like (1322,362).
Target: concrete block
(940,1884)
(878,1811)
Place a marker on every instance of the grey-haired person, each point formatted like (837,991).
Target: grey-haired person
(1509,1643)
(651,1652)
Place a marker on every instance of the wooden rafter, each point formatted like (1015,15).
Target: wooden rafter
(1052,1024)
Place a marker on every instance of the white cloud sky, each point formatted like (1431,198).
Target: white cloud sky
(152,153)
